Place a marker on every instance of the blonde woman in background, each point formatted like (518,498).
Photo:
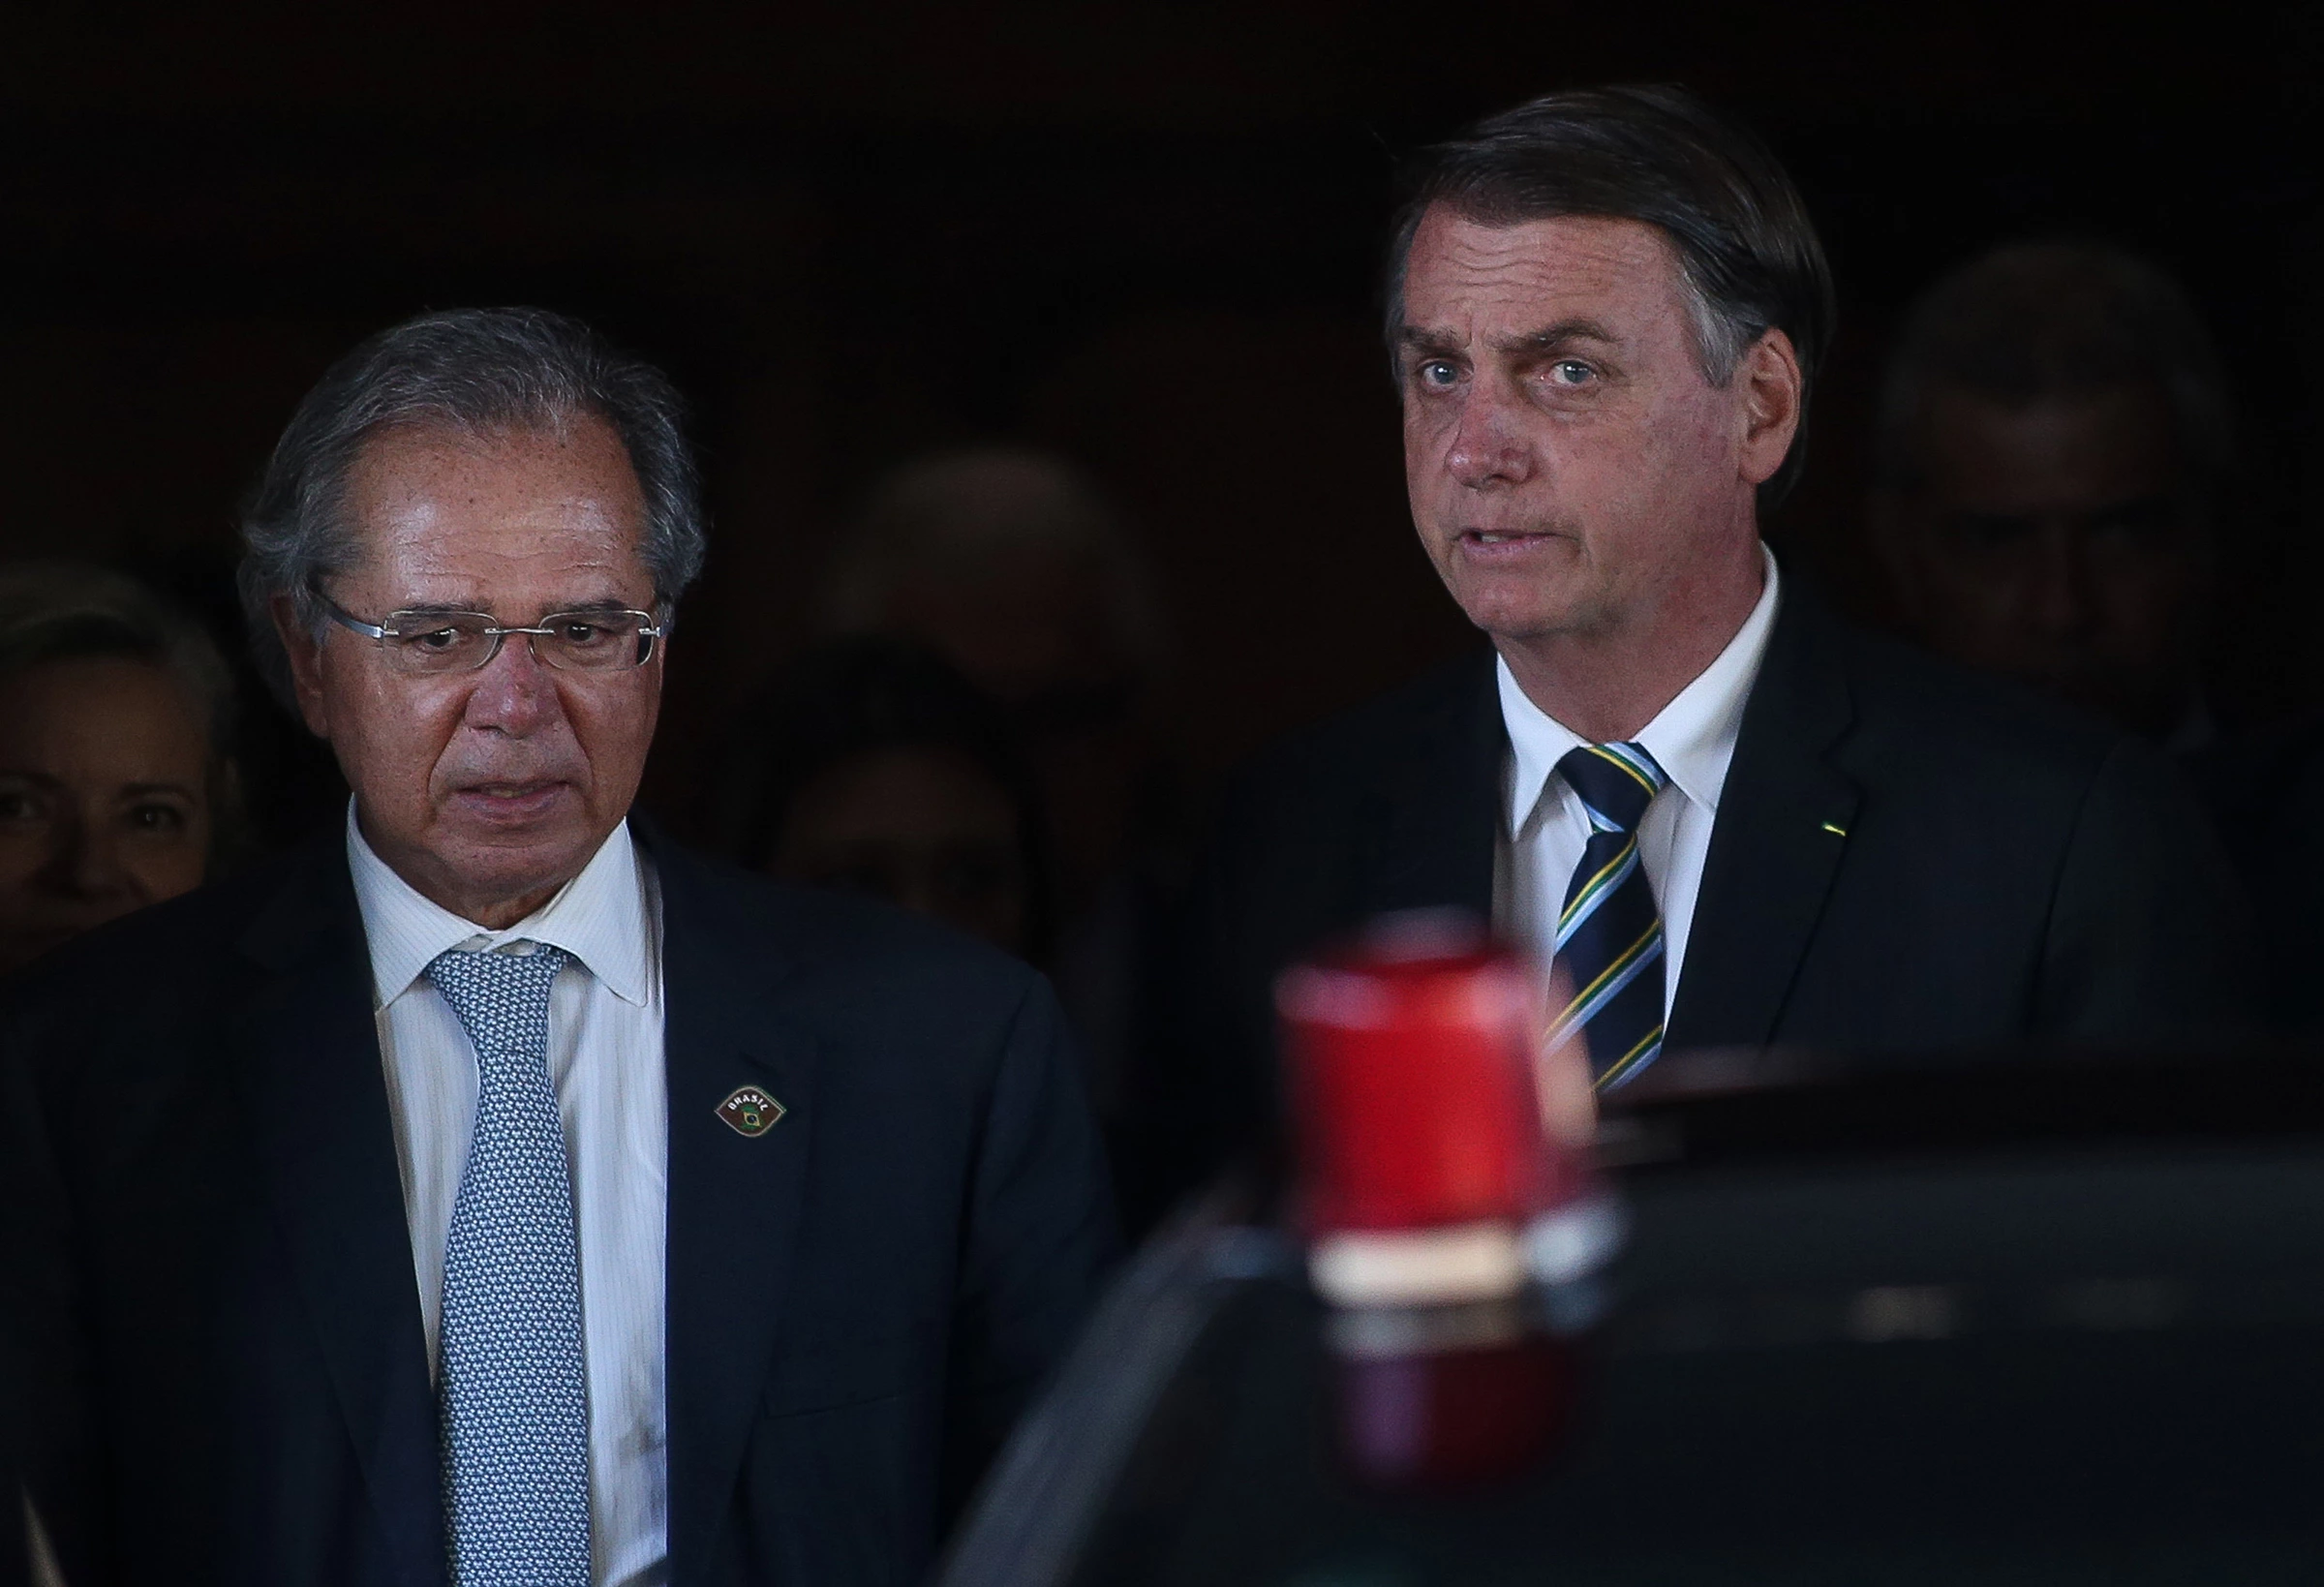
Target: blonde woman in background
(116,790)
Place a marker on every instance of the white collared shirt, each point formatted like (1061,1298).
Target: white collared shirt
(1693,738)
(606,1061)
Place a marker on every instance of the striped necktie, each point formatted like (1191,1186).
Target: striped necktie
(514,1389)
(1610,934)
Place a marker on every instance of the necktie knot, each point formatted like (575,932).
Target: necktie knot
(1615,782)
(502,999)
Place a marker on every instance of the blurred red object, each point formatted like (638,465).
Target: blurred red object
(1412,1054)
(1438,1204)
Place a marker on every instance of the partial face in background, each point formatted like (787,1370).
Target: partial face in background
(487,790)
(1028,625)
(2054,542)
(1568,462)
(923,827)
(105,802)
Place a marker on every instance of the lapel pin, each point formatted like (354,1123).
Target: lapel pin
(1835,829)
(749,1112)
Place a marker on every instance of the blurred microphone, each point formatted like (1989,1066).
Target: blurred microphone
(1453,1228)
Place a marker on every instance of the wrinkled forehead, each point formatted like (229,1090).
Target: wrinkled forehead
(452,515)
(1463,273)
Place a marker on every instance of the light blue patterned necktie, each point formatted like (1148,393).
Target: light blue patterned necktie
(514,1391)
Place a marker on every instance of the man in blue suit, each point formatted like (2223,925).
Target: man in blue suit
(495,1193)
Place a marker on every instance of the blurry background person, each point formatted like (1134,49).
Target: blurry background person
(116,789)
(877,767)
(2055,451)
(1011,565)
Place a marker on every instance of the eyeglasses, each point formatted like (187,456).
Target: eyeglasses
(603,640)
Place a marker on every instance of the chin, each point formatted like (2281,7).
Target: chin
(489,854)
(1520,618)
(494,878)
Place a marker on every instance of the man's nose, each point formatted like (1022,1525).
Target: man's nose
(513,693)
(1488,446)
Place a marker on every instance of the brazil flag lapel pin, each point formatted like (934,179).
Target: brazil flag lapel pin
(749,1112)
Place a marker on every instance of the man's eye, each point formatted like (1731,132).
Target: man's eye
(17,804)
(437,639)
(1437,372)
(1572,372)
(580,634)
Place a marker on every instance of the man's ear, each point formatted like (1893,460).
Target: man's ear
(1772,389)
(306,664)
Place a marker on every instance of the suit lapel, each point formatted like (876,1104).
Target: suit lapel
(735,1202)
(1441,807)
(1782,828)
(317,1097)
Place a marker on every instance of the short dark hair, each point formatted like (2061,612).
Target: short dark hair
(1745,245)
(473,370)
(2032,321)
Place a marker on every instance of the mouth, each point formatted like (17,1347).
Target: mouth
(1495,544)
(509,803)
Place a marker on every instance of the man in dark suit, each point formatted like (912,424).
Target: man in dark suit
(1730,818)
(495,1193)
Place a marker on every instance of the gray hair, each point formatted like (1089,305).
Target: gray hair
(478,370)
(2036,320)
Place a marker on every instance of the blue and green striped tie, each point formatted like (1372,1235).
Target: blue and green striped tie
(1610,934)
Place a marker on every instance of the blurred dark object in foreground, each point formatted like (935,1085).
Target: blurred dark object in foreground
(2038,1321)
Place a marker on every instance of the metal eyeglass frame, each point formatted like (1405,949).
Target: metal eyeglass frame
(650,630)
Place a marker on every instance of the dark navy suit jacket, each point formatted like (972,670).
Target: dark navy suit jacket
(233,1388)
(1908,859)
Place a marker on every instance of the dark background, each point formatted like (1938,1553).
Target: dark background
(1144,235)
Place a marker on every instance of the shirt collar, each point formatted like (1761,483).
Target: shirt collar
(1693,738)
(599,917)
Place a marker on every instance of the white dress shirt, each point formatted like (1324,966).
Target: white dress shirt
(1692,738)
(606,1061)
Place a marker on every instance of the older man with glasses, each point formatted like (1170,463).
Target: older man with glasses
(497,1194)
